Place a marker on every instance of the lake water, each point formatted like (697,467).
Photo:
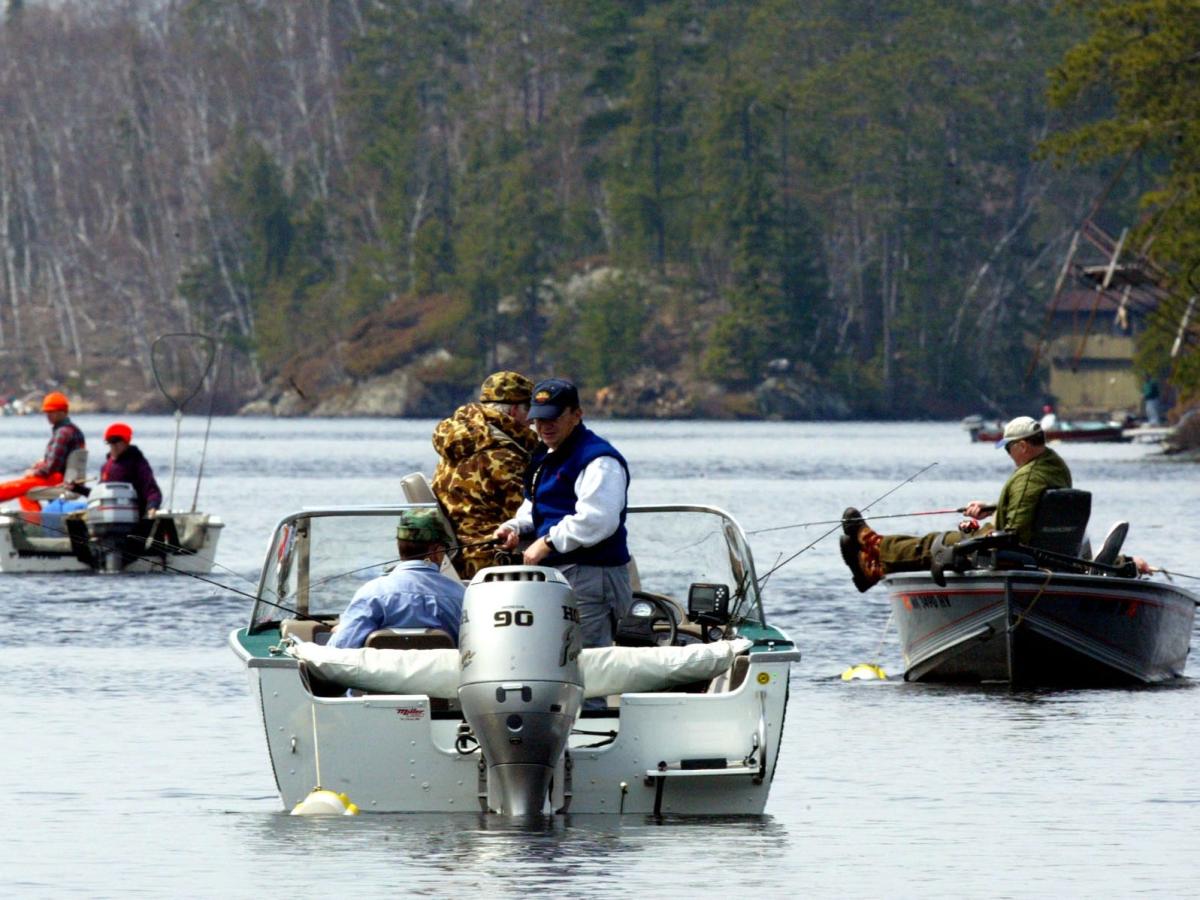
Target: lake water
(134,762)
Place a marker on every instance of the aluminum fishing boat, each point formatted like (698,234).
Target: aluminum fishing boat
(995,610)
(687,711)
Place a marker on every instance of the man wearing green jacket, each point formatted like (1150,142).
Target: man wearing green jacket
(870,556)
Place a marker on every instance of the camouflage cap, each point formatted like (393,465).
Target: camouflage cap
(421,525)
(506,387)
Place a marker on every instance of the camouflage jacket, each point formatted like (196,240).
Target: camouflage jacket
(478,480)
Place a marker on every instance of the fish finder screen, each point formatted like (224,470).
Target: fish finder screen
(708,599)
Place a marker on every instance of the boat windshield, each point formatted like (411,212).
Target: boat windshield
(318,559)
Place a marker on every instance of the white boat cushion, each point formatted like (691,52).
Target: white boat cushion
(431,672)
(635,670)
(435,673)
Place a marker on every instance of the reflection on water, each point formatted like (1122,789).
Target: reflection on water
(565,856)
(135,762)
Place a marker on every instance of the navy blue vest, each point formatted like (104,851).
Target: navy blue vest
(550,484)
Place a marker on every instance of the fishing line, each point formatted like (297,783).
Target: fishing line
(115,548)
(818,540)
(742,593)
(151,543)
(1173,574)
(930,512)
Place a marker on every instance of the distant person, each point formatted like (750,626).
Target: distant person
(483,450)
(1049,420)
(65,437)
(870,556)
(126,463)
(1150,400)
(415,594)
(576,497)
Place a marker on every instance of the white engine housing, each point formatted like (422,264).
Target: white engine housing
(520,687)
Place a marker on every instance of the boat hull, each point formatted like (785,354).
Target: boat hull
(19,555)
(394,753)
(1029,628)
(1082,433)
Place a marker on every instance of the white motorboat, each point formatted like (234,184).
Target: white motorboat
(695,692)
(106,535)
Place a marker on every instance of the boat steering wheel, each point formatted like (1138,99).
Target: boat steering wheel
(663,611)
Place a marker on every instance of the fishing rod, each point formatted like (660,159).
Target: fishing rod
(811,544)
(169,355)
(162,564)
(1172,574)
(151,544)
(928,512)
(743,586)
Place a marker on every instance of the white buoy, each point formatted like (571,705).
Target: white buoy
(321,802)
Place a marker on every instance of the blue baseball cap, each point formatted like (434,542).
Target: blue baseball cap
(551,397)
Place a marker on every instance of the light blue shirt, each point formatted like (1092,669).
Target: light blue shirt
(413,595)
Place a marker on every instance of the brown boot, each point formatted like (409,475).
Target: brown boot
(860,553)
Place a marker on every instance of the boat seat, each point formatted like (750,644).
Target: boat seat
(306,630)
(1060,521)
(75,467)
(1111,548)
(409,639)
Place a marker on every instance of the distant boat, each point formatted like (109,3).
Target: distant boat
(990,431)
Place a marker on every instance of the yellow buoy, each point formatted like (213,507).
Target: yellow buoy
(864,672)
(321,802)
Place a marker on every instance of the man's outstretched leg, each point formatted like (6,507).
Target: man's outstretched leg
(870,555)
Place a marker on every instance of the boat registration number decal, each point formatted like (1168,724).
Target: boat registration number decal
(763,677)
(926,601)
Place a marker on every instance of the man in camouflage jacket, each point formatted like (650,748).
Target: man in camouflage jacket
(484,449)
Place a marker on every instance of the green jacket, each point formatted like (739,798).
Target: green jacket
(1021,493)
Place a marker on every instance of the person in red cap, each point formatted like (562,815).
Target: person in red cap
(126,463)
(65,437)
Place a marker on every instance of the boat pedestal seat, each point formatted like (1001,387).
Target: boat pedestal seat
(310,630)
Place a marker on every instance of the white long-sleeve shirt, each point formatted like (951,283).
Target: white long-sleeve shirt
(600,492)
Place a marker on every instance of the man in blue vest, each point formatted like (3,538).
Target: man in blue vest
(576,490)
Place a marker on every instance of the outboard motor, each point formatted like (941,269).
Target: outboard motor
(112,514)
(520,687)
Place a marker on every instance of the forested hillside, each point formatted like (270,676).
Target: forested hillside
(610,189)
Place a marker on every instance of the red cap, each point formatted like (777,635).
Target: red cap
(118,431)
(55,402)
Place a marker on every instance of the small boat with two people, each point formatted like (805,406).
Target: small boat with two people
(68,527)
(686,711)
(1044,613)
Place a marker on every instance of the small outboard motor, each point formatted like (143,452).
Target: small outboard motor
(112,514)
(520,687)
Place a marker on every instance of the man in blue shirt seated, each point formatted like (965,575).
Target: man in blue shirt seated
(415,594)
